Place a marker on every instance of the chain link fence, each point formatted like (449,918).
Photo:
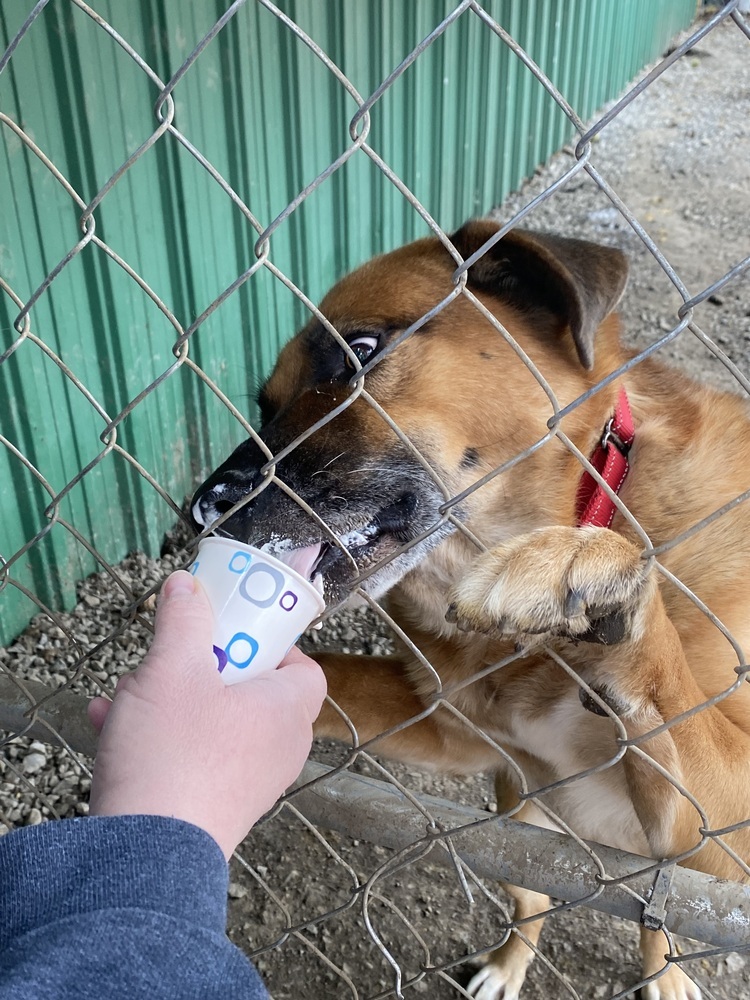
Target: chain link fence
(356,913)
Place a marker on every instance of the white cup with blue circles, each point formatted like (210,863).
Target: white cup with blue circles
(261,607)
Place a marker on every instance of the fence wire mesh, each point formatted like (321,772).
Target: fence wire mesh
(328,909)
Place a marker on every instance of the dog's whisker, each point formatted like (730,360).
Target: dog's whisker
(337,457)
(365,468)
(328,464)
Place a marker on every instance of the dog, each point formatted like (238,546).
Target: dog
(595,640)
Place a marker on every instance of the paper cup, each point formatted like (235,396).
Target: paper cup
(261,607)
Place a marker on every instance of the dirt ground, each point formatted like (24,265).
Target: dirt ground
(678,157)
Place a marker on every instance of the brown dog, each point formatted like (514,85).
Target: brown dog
(549,587)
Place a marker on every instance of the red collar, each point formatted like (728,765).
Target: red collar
(610,459)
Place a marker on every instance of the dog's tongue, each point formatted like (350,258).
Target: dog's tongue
(300,560)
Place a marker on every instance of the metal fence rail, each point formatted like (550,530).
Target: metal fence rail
(475,846)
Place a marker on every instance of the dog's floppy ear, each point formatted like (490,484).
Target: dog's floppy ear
(581,282)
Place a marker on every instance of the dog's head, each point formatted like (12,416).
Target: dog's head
(459,400)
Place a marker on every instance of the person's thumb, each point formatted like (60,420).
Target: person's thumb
(98,710)
(184,624)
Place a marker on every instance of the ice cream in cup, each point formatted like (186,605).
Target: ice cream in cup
(261,605)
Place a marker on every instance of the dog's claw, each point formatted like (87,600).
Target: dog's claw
(464,623)
(574,604)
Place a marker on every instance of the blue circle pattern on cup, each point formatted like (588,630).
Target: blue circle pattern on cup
(261,585)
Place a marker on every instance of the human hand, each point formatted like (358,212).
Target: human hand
(176,741)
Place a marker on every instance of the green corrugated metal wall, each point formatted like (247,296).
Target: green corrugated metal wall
(462,127)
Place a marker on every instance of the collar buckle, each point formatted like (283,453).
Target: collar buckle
(594,507)
(610,435)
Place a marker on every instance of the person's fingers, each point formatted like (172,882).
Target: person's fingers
(295,655)
(302,678)
(98,709)
(184,624)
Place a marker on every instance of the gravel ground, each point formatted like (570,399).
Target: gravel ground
(678,157)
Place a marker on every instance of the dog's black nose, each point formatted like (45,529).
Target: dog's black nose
(214,499)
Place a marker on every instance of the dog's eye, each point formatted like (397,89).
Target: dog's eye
(362,346)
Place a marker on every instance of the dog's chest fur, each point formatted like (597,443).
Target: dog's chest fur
(565,741)
(552,737)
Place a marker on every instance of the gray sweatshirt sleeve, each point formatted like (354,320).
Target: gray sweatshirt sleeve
(117,906)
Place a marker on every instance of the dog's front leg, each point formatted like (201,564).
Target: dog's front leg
(590,585)
(372,701)
(672,982)
(706,756)
(503,975)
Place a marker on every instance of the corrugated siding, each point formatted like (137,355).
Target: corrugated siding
(462,127)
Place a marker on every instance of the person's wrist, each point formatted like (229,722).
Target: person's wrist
(134,800)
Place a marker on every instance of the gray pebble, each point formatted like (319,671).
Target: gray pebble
(33,762)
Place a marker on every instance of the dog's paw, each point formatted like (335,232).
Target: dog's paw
(673,985)
(496,982)
(581,583)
